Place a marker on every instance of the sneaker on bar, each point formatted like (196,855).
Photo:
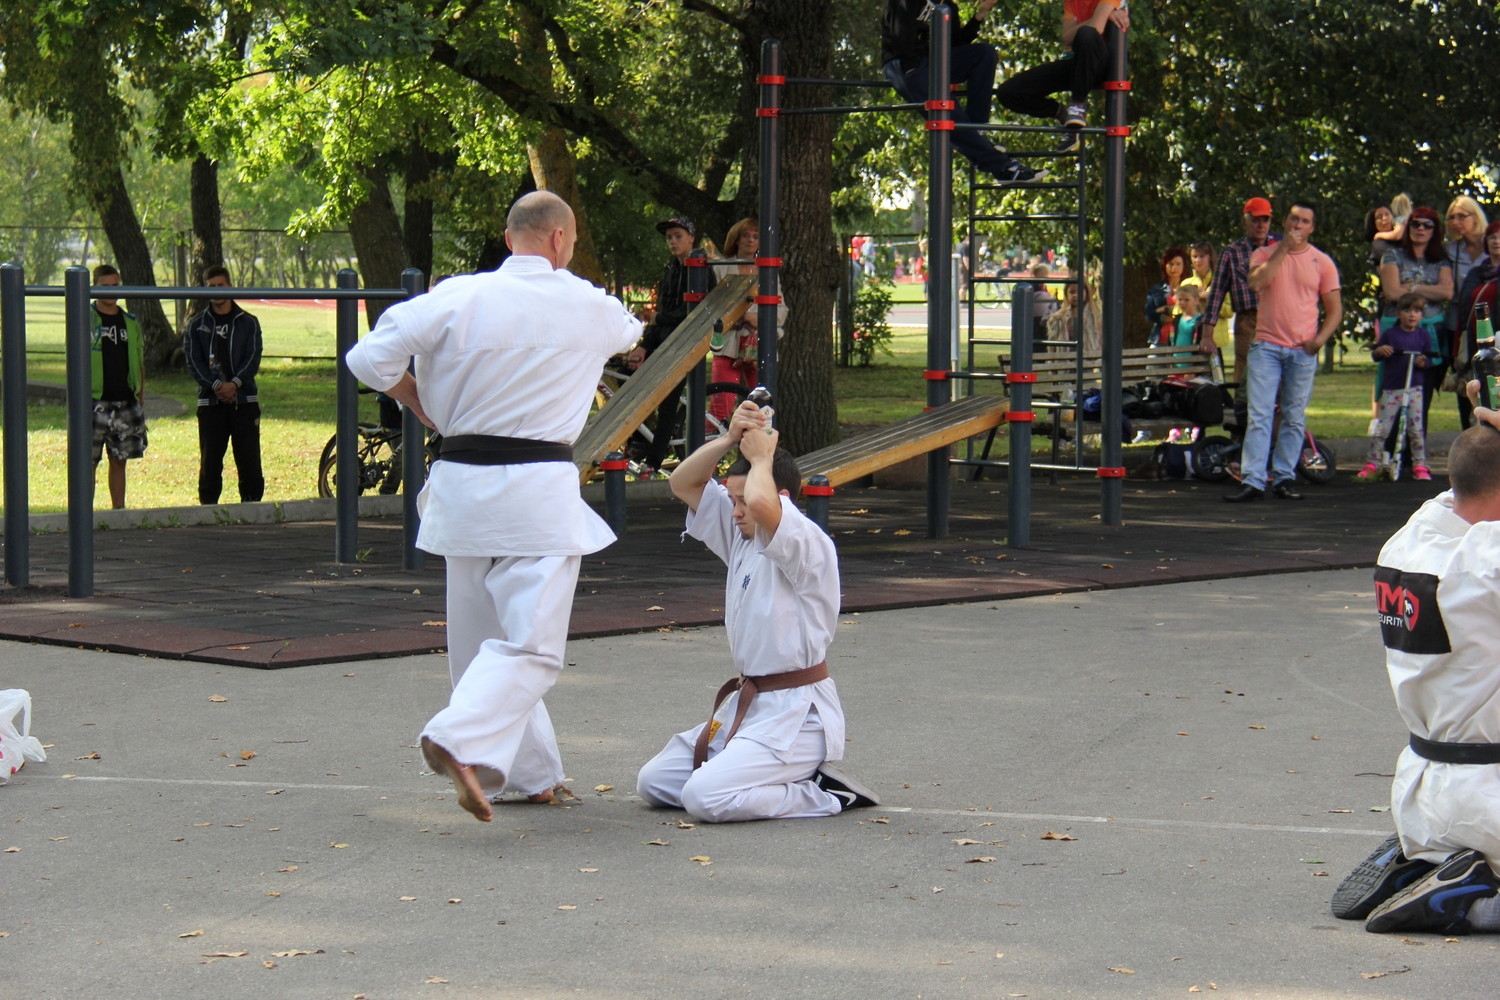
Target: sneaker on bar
(1075,115)
(1440,902)
(1375,879)
(1017,172)
(1068,141)
(850,793)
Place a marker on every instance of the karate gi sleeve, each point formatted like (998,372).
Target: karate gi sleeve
(801,550)
(380,359)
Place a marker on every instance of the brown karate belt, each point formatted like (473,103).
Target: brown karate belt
(748,687)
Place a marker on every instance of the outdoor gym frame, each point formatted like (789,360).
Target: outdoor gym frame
(77,293)
(941,308)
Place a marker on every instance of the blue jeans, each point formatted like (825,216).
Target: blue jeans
(1284,375)
(973,65)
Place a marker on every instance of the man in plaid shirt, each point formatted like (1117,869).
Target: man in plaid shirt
(1232,278)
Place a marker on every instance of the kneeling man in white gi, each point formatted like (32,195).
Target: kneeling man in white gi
(763,753)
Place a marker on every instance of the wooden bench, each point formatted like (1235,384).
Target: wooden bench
(658,376)
(916,435)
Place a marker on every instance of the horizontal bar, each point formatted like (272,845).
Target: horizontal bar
(158,292)
(837,83)
(851,110)
(1048,129)
(1039,217)
(999,463)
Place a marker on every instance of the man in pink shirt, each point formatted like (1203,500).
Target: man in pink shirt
(1292,278)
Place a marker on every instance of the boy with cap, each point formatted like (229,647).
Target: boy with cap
(672,307)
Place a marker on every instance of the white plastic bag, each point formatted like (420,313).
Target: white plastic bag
(16,746)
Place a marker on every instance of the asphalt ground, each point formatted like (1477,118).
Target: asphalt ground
(1135,792)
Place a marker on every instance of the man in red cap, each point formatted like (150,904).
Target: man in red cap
(1232,278)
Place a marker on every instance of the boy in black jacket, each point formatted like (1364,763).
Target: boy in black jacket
(223,346)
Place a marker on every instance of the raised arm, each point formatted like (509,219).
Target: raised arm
(695,471)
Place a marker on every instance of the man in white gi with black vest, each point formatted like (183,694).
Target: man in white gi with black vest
(507,363)
(763,752)
(1437,596)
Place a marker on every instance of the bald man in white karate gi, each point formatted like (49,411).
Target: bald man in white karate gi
(506,367)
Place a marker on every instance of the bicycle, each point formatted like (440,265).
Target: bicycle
(379,453)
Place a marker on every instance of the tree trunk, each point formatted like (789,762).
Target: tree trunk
(416,221)
(111,199)
(806,409)
(208,224)
(375,231)
(555,170)
(1136,331)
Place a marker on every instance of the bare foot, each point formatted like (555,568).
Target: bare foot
(470,796)
(552,796)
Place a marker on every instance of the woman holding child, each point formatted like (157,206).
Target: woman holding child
(1419,266)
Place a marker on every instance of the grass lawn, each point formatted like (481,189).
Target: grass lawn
(297,386)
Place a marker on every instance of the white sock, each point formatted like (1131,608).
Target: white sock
(1484,915)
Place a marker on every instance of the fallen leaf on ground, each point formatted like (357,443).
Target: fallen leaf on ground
(979,861)
(1122,970)
(217,697)
(937,888)
(683,824)
(1257,727)
(89,756)
(406,899)
(965,842)
(1049,835)
(247,755)
(436,624)
(881,819)
(273,893)
(567,906)
(655,843)
(1387,972)
(288,868)
(604,788)
(338,847)
(196,933)
(237,647)
(455,899)
(290,952)
(588,871)
(268,964)
(434,979)
(656,607)
(702,859)
(225,954)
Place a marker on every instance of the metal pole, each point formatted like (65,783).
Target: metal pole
(769,297)
(180,261)
(1111,459)
(692,430)
(346,487)
(819,494)
(1020,415)
(13,378)
(613,467)
(80,434)
(413,454)
(939,255)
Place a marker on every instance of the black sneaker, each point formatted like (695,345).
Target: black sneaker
(1375,879)
(850,793)
(1018,173)
(1068,142)
(1440,902)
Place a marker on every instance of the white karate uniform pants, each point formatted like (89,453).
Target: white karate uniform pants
(507,636)
(742,781)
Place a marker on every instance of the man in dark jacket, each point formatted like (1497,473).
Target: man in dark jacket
(223,346)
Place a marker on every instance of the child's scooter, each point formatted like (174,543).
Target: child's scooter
(1390,456)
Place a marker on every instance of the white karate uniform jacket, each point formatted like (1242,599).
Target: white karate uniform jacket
(781,606)
(1438,588)
(514,352)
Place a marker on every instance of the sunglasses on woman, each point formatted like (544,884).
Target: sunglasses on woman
(1423,224)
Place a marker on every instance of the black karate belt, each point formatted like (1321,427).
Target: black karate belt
(747,687)
(1456,753)
(490,449)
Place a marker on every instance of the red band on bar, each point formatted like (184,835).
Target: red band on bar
(692,297)
(617,465)
(1020,416)
(696,262)
(942,125)
(939,105)
(774,81)
(935,375)
(1118,130)
(768,112)
(768,300)
(1012,377)
(1116,84)
(817,491)
(1106,473)
(768,262)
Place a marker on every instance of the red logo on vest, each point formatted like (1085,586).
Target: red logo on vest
(1395,601)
